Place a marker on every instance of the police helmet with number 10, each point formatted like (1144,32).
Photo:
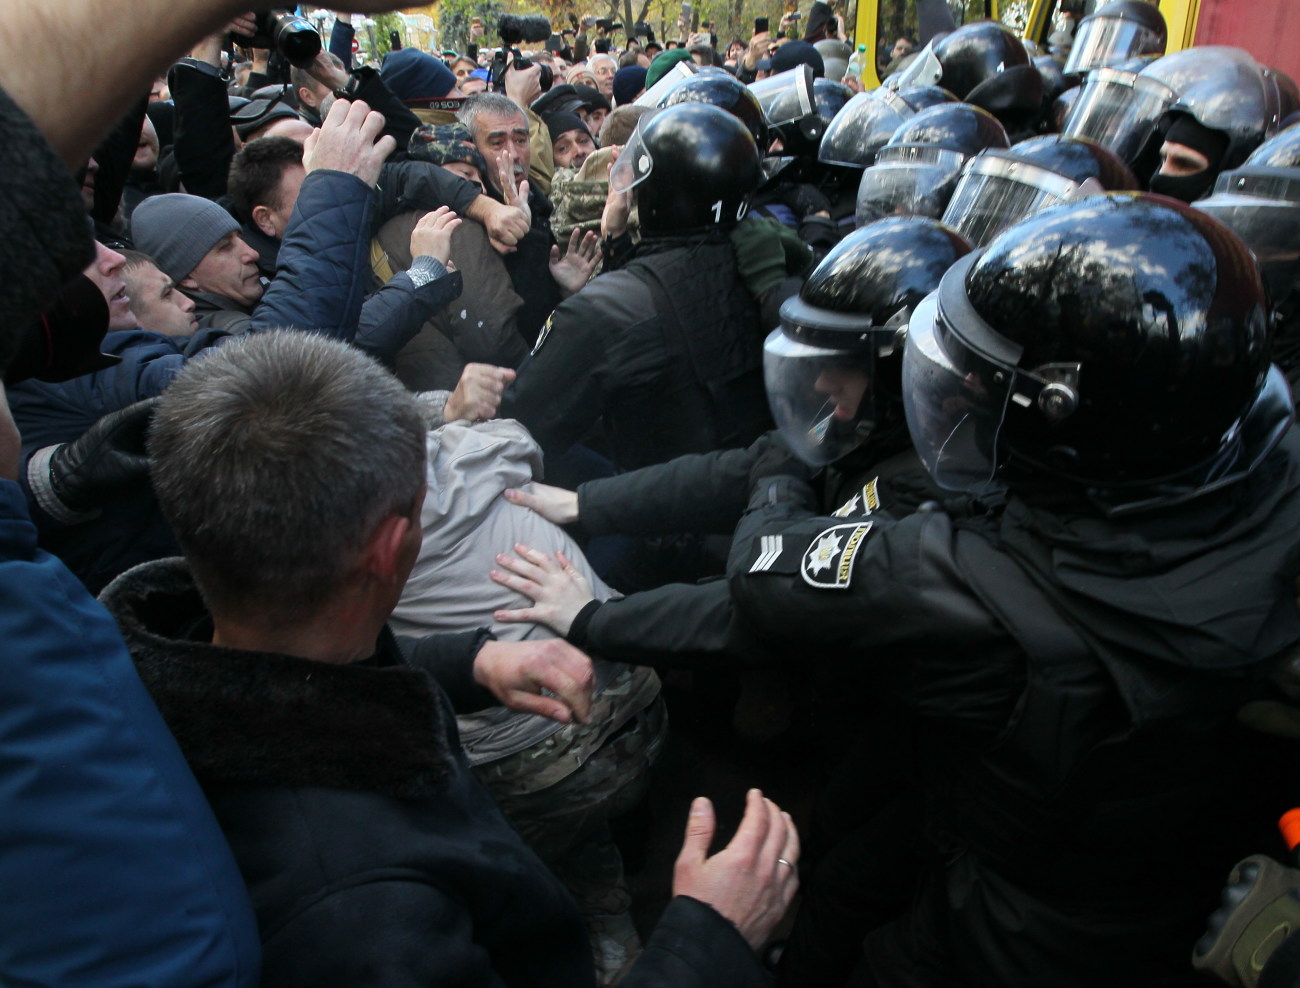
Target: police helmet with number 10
(692,167)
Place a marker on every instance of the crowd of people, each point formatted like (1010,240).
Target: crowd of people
(380,440)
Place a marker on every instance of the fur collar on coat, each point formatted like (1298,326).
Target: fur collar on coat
(261,718)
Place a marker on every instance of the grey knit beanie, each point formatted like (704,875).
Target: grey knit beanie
(176,230)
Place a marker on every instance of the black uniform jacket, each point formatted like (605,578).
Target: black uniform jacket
(667,350)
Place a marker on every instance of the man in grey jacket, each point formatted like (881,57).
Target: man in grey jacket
(558,784)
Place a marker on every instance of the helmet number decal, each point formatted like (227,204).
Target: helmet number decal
(740,210)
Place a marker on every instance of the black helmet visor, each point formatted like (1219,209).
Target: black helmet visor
(819,368)
(959,378)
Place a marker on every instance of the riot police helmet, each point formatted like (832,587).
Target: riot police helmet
(799,111)
(833,367)
(915,173)
(982,63)
(726,91)
(1222,89)
(692,168)
(1000,187)
(1118,344)
(1115,32)
(789,106)
(868,120)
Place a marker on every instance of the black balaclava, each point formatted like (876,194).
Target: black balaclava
(1185,129)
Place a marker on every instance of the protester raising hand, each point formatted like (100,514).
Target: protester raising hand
(348,141)
(513,194)
(575,268)
(432,235)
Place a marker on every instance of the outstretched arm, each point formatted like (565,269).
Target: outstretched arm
(108,52)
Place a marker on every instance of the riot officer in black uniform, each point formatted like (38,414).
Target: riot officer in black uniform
(1215,101)
(1076,657)
(1076,636)
(666,350)
(800,191)
(833,373)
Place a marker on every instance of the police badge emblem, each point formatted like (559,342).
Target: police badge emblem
(828,561)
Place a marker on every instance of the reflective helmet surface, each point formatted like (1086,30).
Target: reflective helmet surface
(1115,341)
(985,64)
(832,368)
(1114,33)
(1002,186)
(1280,151)
(957,127)
(726,91)
(1224,89)
(1260,202)
(1271,172)
(916,172)
(692,167)
(976,53)
(868,120)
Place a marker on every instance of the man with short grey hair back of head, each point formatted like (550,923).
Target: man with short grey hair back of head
(307,448)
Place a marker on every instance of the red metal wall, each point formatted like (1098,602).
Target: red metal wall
(1268,29)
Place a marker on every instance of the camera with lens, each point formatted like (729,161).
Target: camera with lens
(285,32)
(514,29)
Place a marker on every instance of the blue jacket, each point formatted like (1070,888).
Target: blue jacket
(323,275)
(113,868)
(324,269)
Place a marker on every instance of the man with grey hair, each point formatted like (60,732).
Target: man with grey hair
(540,276)
(604,67)
(292,469)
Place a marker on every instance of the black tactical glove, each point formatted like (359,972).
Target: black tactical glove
(109,455)
(806,199)
(1261,906)
(776,460)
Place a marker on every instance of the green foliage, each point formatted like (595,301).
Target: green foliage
(454,17)
(385,24)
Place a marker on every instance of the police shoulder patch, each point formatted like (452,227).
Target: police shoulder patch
(828,561)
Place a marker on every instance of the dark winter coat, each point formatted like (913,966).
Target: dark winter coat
(372,853)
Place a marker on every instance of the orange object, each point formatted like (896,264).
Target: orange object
(1289,825)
